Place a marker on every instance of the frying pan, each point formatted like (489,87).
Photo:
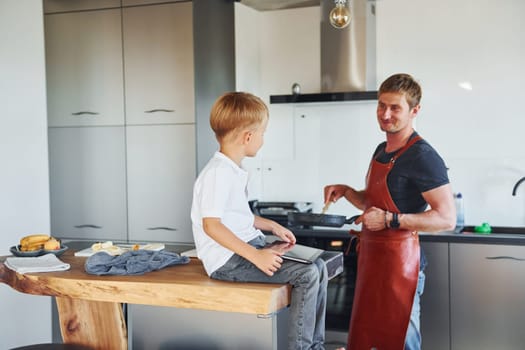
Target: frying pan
(311,219)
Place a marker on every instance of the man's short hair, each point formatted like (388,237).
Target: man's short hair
(405,84)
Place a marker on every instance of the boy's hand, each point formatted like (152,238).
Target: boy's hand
(268,260)
(280,231)
(283,233)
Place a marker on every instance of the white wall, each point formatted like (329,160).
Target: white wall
(24,185)
(478,132)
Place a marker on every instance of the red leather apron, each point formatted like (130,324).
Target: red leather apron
(387,272)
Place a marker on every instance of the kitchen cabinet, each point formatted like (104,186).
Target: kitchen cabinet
(145,2)
(279,137)
(53,6)
(157,327)
(141,162)
(274,158)
(487,296)
(160,119)
(84,68)
(161,171)
(435,312)
(289,158)
(308,146)
(283,181)
(88,183)
(254,168)
(158,56)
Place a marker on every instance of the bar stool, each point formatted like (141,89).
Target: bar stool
(53,346)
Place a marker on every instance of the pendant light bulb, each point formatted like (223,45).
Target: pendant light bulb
(340,15)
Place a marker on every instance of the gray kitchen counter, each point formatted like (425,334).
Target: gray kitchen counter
(447,237)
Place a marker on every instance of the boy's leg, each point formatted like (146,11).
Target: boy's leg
(319,331)
(308,304)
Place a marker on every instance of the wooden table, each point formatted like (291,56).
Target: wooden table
(90,309)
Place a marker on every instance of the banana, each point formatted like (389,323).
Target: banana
(32,247)
(39,237)
(33,242)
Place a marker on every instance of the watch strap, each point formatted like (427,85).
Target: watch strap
(395,220)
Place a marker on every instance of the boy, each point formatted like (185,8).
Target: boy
(228,236)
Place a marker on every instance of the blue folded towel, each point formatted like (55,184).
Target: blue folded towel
(132,262)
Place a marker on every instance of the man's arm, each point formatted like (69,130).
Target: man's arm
(440,217)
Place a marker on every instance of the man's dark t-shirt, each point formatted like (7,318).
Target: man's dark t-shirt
(418,170)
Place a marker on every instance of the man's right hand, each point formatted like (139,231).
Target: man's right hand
(332,193)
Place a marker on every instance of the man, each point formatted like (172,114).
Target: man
(405,177)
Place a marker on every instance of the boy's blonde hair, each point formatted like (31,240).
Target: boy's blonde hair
(234,111)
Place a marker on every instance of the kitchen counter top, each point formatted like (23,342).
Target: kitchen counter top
(449,236)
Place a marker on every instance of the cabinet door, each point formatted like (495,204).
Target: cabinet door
(88,183)
(51,6)
(280,135)
(487,296)
(145,2)
(254,168)
(84,68)
(161,172)
(158,55)
(435,313)
(294,176)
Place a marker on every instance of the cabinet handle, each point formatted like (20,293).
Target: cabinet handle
(503,258)
(85,113)
(160,110)
(162,228)
(87,225)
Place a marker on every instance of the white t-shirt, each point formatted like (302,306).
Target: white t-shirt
(220,191)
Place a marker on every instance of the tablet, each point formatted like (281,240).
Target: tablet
(295,252)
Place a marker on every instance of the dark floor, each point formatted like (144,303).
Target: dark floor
(335,340)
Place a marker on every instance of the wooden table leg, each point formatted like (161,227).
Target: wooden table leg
(97,324)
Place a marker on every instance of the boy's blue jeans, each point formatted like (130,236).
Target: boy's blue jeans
(309,282)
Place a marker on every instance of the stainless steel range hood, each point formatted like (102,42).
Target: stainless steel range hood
(348,55)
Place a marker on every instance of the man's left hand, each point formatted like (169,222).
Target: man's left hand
(373,219)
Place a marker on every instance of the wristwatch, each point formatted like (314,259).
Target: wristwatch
(394,223)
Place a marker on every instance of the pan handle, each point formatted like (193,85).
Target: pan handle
(352,219)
